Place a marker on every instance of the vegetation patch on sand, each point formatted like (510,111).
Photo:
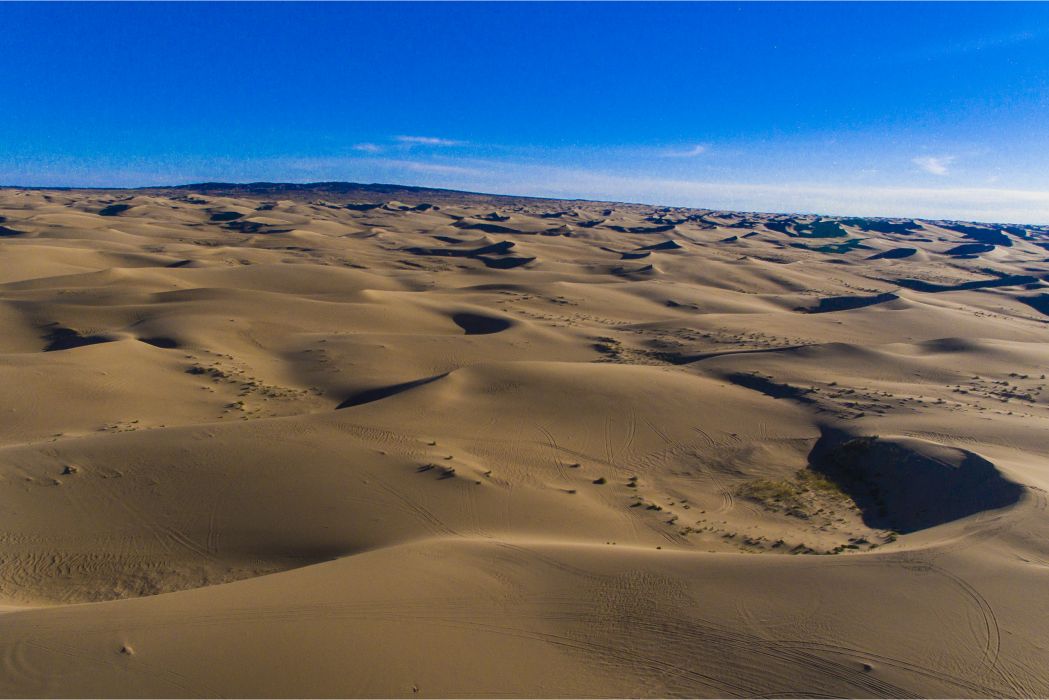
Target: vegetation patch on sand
(801,497)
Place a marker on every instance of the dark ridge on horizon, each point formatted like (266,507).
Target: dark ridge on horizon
(411,192)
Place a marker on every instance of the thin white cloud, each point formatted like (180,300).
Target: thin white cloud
(427,141)
(934,51)
(368,148)
(935,165)
(436,168)
(692,152)
(348,168)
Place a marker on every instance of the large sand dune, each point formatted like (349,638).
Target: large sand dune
(341,440)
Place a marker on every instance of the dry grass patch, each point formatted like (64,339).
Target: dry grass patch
(803,496)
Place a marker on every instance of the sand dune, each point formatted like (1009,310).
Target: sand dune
(368,441)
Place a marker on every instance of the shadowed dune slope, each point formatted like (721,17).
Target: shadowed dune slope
(906,484)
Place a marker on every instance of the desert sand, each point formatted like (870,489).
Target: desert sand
(354,441)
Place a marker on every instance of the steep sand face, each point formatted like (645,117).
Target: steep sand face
(343,441)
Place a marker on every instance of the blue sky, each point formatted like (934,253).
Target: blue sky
(938,110)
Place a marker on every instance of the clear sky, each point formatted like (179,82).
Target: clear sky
(938,110)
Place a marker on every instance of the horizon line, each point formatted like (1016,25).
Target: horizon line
(190,185)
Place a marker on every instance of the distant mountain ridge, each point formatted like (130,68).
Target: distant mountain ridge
(410,193)
(413,194)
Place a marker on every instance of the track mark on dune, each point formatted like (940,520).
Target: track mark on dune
(728,501)
(659,432)
(185,541)
(191,688)
(560,465)
(18,667)
(705,435)
(993,647)
(950,679)
(804,649)
(610,455)
(988,618)
(660,455)
(551,561)
(631,431)
(741,655)
(166,535)
(610,655)
(613,656)
(417,510)
(212,538)
(509,512)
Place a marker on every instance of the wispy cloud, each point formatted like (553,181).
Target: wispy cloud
(368,148)
(691,152)
(436,168)
(361,168)
(427,141)
(935,165)
(950,48)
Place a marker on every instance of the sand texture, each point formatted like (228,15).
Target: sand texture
(371,442)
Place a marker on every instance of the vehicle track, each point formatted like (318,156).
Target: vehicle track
(558,464)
